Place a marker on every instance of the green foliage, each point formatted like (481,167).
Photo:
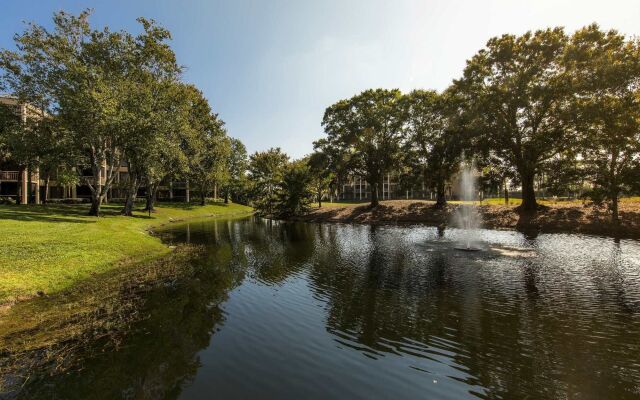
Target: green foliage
(605,73)
(515,94)
(206,145)
(367,132)
(336,159)
(266,170)
(322,175)
(433,149)
(296,190)
(564,175)
(101,97)
(9,122)
(237,184)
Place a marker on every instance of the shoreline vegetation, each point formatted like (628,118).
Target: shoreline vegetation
(49,249)
(51,335)
(90,285)
(551,217)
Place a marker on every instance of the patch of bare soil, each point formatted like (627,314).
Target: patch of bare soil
(569,218)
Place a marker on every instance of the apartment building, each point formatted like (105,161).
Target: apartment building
(25,186)
(356,188)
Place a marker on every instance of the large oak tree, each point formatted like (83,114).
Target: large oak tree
(433,146)
(368,128)
(516,93)
(605,72)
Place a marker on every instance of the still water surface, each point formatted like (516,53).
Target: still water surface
(301,311)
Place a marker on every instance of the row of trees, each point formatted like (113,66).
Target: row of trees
(566,107)
(545,103)
(101,99)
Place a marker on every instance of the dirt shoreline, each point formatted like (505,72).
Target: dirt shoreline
(557,218)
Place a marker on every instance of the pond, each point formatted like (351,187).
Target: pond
(295,310)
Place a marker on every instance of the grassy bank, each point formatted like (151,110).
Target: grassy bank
(46,249)
(561,216)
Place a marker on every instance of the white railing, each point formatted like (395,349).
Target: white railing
(9,175)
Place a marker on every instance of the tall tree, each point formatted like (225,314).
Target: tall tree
(368,128)
(432,145)
(149,111)
(296,190)
(605,72)
(321,174)
(237,164)
(516,90)
(337,160)
(266,170)
(94,82)
(153,150)
(206,145)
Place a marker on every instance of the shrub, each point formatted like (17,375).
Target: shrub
(7,200)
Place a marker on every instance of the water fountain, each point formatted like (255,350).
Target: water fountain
(467,217)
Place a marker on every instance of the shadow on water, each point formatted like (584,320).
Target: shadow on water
(294,310)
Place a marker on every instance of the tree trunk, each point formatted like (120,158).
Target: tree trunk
(614,190)
(127,210)
(374,194)
(506,192)
(528,193)
(319,198)
(614,207)
(132,193)
(29,182)
(203,197)
(152,191)
(22,196)
(47,182)
(441,198)
(103,169)
(226,197)
(96,202)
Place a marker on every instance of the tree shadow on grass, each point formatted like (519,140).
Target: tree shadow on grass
(78,213)
(69,213)
(46,213)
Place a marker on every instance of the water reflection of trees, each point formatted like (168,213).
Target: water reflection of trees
(512,327)
(158,354)
(494,329)
(269,251)
(517,331)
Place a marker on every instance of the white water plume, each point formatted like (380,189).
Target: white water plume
(467,217)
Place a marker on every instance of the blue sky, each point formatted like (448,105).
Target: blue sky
(270,68)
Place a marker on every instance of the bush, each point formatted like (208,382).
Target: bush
(7,200)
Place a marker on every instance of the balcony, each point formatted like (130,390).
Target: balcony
(9,176)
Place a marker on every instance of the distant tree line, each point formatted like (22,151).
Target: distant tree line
(104,98)
(543,104)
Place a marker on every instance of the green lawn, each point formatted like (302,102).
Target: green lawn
(49,248)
